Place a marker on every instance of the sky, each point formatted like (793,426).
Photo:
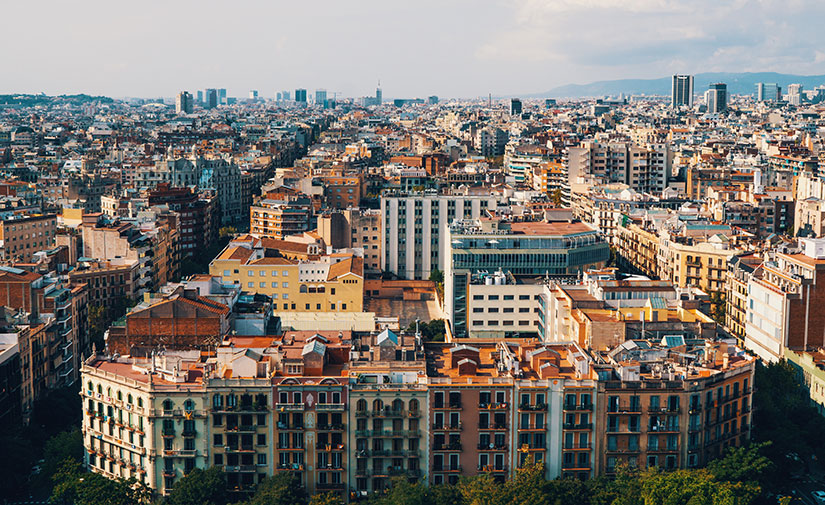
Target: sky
(416,48)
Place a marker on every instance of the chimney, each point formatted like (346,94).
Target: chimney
(725,361)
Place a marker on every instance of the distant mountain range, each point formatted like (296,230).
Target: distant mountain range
(738,84)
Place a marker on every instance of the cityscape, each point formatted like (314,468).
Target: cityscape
(376,289)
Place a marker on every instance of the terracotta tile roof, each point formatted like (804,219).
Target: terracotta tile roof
(272,261)
(235,253)
(353,265)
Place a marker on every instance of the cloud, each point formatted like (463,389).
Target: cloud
(603,39)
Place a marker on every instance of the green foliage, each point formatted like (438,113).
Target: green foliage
(67,445)
(745,464)
(432,331)
(437,276)
(200,487)
(555,197)
(73,486)
(718,308)
(281,489)
(783,416)
(326,499)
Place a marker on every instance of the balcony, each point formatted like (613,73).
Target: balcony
(325,446)
(168,432)
(190,432)
(329,486)
(664,410)
(624,409)
(387,413)
(536,407)
(329,427)
(579,426)
(492,468)
(444,427)
(290,426)
(455,446)
(289,407)
(329,407)
(492,406)
(578,406)
(532,427)
(576,446)
(492,447)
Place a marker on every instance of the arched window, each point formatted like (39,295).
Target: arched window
(321,289)
(303,288)
(100,389)
(413,405)
(189,405)
(119,396)
(231,400)
(129,399)
(140,402)
(167,405)
(377,405)
(109,392)
(90,387)
(397,405)
(362,405)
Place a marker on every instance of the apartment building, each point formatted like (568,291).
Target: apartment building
(502,306)
(646,168)
(522,249)
(637,247)
(109,283)
(414,229)
(330,283)
(783,300)
(279,218)
(740,271)
(24,235)
(347,412)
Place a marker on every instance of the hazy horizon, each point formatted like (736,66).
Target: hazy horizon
(452,48)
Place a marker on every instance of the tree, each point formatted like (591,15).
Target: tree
(200,487)
(717,301)
(555,197)
(745,464)
(437,276)
(326,499)
(281,489)
(67,445)
(73,486)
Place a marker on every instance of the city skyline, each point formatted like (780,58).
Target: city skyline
(545,43)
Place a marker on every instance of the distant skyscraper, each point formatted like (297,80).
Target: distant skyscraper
(200,97)
(379,95)
(279,96)
(432,100)
(717,98)
(515,107)
(301,95)
(320,97)
(183,103)
(211,98)
(795,94)
(222,96)
(253,94)
(768,92)
(549,102)
(286,95)
(682,90)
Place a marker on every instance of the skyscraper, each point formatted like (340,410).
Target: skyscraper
(222,96)
(515,107)
(286,96)
(253,94)
(768,92)
(183,103)
(320,97)
(682,92)
(379,95)
(301,95)
(211,98)
(717,98)
(795,94)
(200,97)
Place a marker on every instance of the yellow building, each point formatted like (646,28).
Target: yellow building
(333,283)
(703,265)
(636,248)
